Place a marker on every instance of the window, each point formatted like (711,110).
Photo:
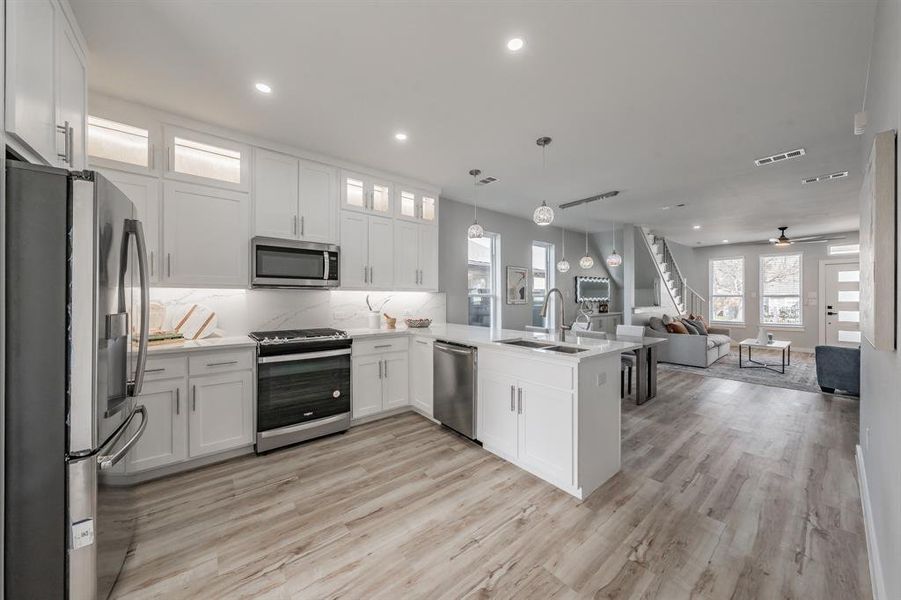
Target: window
(780,290)
(542,279)
(483,281)
(727,290)
(118,142)
(840,249)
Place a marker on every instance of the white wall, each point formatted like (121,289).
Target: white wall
(880,391)
(694,264)
(517,235)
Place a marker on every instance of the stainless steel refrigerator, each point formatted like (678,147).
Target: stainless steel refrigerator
(76,344)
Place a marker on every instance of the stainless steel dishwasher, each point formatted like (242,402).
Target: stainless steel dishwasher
(455,393)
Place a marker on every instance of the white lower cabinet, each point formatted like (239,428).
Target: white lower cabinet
(421,374)
(191,415)
(220,418)
(527,423)
(165,440)
(381,379)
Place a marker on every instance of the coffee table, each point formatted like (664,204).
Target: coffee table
(785,346)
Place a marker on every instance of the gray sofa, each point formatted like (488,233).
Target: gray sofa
(692,350)
(838,369)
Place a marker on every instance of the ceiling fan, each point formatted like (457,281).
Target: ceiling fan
(784,240)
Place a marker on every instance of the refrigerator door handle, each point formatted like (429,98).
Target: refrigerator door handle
(108,461)
(134,227)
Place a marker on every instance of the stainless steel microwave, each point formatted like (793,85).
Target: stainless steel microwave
(277,263)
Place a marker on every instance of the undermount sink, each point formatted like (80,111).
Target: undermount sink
(566,349)
(527,343)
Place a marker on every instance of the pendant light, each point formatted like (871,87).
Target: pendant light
(586,262)
(563,264)
(544,214)
(475,230)
(614,260)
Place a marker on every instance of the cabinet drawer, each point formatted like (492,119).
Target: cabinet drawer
(220,362)
(380,345)
(167,367)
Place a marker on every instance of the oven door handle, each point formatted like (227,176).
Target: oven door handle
(302,356)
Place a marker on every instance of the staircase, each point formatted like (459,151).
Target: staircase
(686,299)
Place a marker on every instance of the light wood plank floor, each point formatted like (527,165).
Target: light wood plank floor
(728,490)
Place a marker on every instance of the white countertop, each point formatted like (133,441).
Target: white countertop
(212,343)
(484,337)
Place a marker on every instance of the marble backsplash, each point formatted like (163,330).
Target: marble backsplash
(241,311)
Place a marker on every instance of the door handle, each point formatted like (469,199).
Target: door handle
(380,369)
(133,227)
(386,369)
(177,401)
(512,398)
(519,401)
(108,461)
(194,399)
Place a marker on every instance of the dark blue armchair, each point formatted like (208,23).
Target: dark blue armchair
(838,369)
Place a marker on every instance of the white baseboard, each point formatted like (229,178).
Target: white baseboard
(876,580)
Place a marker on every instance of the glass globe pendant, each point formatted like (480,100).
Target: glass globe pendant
(614,260)
(544,214)
(475,230)
(586,262)
(563,264)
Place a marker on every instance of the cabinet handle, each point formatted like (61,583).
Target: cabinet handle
(151,263)
(70,145)
(380,369)
(168,264)
(302,227)
(152,160)
(512,398)
(194,399)
(371,276)
(294,224)
(168,158)
(383,346)
(386,368)
(177,401)
(519,400)
(154,370)
(66,131)
(365,274)
(219,364)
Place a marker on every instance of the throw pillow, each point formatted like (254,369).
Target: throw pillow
(656,323)
(666,319)
(676,327)
(692,330)
(699,325)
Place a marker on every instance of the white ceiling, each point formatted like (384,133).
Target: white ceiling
(669,102)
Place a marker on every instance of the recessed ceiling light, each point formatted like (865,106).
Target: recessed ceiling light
(695,226)
(515,44)
(263,88)
(400,136)
(725,241)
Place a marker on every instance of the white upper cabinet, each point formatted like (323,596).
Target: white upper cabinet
(276,194)
(144,193)
(293,198)
(201,158)
(46,83)
(205,235)
(381,253)
(367,251)
(416,256)
(318,202)
(366,193)
(415,205)
(124,146)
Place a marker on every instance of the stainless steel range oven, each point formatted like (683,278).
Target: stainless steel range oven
(277,263)
(303,385)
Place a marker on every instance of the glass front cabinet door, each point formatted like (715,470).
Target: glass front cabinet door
(366,193)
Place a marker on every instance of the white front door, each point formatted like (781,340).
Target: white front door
(841,306)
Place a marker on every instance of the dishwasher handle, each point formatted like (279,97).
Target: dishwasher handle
(463,350)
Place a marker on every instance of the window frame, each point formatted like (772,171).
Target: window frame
(762,296)
(170,132)
(744,291)
(495,278)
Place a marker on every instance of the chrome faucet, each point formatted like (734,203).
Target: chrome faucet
(561,327)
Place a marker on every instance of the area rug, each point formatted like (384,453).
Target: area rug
(800,375)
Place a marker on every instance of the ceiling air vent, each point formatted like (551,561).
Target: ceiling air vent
(768,160)
(487,180)
(830,176)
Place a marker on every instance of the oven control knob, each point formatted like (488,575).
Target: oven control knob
(336,394)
